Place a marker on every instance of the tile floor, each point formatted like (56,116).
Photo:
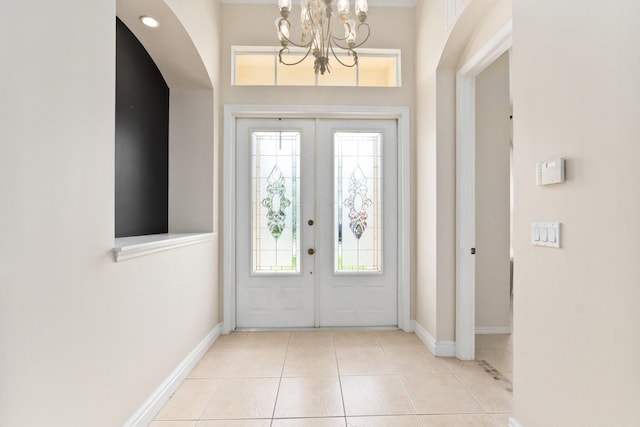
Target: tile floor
(339,378)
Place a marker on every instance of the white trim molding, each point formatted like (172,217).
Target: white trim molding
(514,423)
(150,408)
(500,43)
(136,246)
(401,114)
(438,348)
(493,330)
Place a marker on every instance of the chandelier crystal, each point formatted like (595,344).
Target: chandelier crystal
(317,21)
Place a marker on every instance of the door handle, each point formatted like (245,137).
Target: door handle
(311,251)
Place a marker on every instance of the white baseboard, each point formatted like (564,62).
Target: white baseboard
(146,413)
(514,423)
(486,330)
(438,348)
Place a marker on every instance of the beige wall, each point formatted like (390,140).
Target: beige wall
(440,51)
(493,129)
(260,20)
(84,340)
(577,323)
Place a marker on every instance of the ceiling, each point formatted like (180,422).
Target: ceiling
(372,3)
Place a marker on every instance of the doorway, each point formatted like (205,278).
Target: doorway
(316,223)
(466,191)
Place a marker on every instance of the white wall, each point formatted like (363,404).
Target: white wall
(84,340)
(493,156)
(439,52)
(577,323)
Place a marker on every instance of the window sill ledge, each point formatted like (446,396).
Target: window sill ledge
(136,246)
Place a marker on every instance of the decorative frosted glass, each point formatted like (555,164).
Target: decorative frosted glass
(357,202)
(275,186)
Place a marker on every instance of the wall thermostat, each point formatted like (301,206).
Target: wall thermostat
(550,172)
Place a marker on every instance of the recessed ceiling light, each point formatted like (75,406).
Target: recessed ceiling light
(149,21)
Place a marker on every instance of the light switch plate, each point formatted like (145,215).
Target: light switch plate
(545,234)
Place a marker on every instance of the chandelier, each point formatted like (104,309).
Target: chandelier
(317,19)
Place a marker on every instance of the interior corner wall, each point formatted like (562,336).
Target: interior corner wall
(493,158)
(439,50)
(576,322)
(87,339)
(191,154)
(430,37)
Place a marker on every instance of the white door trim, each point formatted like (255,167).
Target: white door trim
(465,186)
(401,114)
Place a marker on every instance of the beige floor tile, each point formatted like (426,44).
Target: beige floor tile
(230,342)
(470,420)
(189,400)
(311,340)
(388,421)
(363,361)
(393,339)
(416,362)
(309,397)
(309,422)
(502,420)
(499,358)
(240,398)
(266,341)
(310,363)
(491,395)
(375,395)
(454,365)
(350,339)
(439,394)
(173,424)
(494,340)
(257,364)
(214,364)
(234,423)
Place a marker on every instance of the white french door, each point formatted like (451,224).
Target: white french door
(316,223)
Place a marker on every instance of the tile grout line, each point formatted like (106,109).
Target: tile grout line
(275,404)
(397,375)
(224,375)
(455,375)
(335,357)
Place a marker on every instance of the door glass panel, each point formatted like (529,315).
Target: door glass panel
(275,182)
(357,202)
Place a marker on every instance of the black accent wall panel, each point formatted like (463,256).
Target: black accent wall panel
(142,140)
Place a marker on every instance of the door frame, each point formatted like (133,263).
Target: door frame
(501,42)
(234,112)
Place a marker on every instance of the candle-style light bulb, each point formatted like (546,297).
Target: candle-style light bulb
(284,6)
(361,10)
(343,10)
(283,31)
(350,32)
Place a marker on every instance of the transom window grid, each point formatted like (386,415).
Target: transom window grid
(259,66)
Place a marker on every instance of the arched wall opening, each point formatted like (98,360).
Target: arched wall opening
(191,113)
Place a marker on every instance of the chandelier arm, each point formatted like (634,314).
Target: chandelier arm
(355,57)
(293,63)
(366,38)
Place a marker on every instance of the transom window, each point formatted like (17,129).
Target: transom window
(259,66)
